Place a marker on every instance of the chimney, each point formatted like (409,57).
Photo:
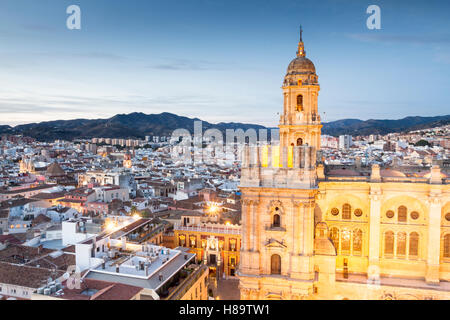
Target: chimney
(435,176)
(375,176)
(160,277)
(117,268)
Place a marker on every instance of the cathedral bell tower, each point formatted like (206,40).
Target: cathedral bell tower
(300,121)
(279,187)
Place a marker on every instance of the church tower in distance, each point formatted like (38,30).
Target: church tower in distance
(279,187)
(300,122)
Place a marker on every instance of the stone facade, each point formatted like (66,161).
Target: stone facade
(306,235)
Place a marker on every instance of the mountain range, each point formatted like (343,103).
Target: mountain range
(139,125)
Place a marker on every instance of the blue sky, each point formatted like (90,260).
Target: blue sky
(220,60)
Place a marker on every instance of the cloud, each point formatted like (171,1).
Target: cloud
(182,64)
(99,55)
(32,107)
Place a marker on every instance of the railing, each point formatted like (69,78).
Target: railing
(209,229)
(279,157)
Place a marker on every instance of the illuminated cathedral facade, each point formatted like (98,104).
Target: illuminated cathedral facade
(311,232)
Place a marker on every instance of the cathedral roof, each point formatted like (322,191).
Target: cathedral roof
(55,170)
(391,173)
(343,173)
(428,175)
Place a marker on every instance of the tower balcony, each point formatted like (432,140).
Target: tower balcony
(279,167)
(300,118)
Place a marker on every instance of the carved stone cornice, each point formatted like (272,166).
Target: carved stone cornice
(375,195)
(321,195)
(434,199)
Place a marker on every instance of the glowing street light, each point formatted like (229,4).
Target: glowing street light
(136,216)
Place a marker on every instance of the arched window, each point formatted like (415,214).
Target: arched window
(276,220)
(299,142)
(402,213)
(334,236)
(357,242)
(401,244)
(275,264)
(413,244)
(345,241)
(447,246)
(299,102)
(346,211)
(389,243)
(182,240)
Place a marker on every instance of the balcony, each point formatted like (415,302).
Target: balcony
(209,229)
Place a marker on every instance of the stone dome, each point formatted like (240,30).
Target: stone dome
(301,69)
(301,65)
(392,173)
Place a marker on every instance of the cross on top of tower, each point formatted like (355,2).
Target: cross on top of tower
(301,47)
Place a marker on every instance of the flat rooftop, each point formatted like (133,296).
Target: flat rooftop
(158,260)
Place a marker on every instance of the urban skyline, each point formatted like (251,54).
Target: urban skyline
(161,207)
(151,56)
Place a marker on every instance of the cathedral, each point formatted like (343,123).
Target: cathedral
(310,231)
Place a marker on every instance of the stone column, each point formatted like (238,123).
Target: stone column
(297,232)
(244,235)
(434,234)
(308,223)
(374,231)
(302,254)
(253,249)
(255,226)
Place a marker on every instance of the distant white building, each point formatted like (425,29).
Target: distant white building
(345,142)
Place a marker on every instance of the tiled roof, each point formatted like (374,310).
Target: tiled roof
(18,253)
(42,218)
(25,276)
(104,291)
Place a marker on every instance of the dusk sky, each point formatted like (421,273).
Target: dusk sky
(220,60)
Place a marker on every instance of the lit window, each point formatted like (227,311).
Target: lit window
(345,241)
(401,244)
(357,242)
(389,243)
(334,236)
(299,102)
(414,244)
